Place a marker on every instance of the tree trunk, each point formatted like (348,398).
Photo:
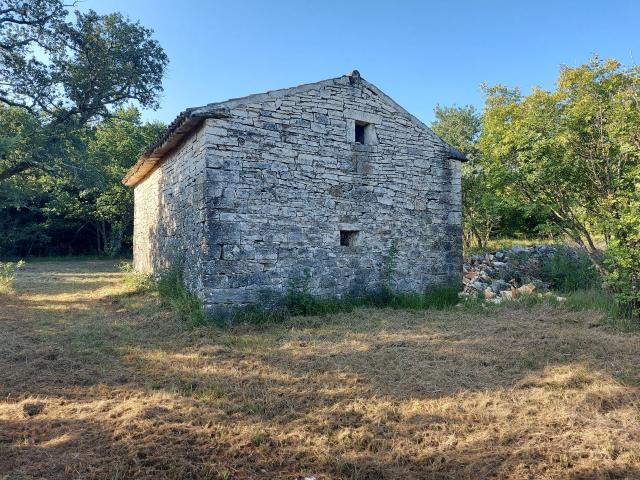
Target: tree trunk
(478,237)
(103,237)
(98,250)
(115,240)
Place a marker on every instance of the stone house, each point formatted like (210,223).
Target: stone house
(331,178)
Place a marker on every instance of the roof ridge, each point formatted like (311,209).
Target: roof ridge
(280,92)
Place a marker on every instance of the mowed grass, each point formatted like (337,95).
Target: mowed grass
(97,381)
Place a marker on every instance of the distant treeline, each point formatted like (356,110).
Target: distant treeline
(80,210)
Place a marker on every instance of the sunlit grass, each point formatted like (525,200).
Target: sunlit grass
(535,388)
(496,244)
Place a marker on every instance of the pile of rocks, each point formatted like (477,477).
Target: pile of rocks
(506,274)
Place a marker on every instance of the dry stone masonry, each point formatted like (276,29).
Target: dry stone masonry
(330,178)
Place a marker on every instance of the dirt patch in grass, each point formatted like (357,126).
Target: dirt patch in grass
(99,382)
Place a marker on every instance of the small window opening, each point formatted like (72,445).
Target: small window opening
(348,237)
(360,132)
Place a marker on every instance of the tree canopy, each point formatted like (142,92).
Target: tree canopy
(61,74)
(489,207)
(67,213)
(68,130)
(575,150)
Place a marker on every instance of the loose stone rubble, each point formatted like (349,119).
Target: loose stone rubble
(506,274)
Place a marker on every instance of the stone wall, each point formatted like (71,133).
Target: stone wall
(284,176)
(170,215)
(255,199)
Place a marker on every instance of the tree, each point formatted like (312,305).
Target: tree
(576,152)
(115,147)
(461,127)
(65,214)
(573,150)
(63,75)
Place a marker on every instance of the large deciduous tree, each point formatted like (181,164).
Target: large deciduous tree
(62,74)
(576,151)
(63,214)
(489,208)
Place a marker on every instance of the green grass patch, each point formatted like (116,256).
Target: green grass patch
(205,392)
(173,292)
(244,342)
(592,299)
(133,279)
(8,274)
(605,301)
(299,302)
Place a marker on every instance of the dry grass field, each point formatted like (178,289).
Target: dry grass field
(99,382)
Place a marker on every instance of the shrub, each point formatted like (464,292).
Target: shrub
(137,281)
(389,267)
(8,274)
(569,270)
(173,292)
(624,278)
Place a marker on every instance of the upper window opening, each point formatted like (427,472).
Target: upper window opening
(348,238)
(360,132)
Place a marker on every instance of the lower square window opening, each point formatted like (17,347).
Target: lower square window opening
(348,238)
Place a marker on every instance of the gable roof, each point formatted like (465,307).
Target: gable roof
(191,118)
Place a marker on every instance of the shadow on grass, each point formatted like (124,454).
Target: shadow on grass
(129,392)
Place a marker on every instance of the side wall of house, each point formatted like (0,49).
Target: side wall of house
(284,176)
(169,213)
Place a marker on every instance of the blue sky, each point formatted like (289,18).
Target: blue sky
(420,53)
